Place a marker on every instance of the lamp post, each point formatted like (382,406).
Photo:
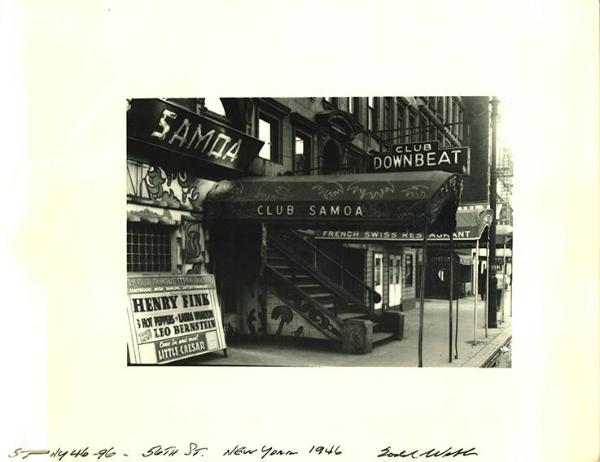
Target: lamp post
(491,273)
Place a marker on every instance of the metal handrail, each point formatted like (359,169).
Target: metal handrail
(331,285)
(374,295)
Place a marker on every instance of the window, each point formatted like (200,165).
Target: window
(354,164)
(330,100)
(214,105)
(401,121)
(412,126)
(440,107)
(424,129)
(302,154)
(408,270)
(387,119)
(352,106)
(371,114)
(148,248)
(432,132)
(268,131)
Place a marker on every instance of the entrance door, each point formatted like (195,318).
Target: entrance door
(378,277)
(395,280)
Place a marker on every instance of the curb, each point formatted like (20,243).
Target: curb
(486,353)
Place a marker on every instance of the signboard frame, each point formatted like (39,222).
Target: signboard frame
(422,156)
(168,317)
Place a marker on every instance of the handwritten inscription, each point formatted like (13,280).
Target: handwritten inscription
(266,451)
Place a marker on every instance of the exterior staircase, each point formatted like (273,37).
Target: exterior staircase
(289,268)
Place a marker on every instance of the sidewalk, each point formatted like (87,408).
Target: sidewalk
(402,353)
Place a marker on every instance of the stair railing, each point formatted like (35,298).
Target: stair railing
(370,295)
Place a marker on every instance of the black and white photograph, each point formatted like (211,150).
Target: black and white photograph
(319,231)
(230,232)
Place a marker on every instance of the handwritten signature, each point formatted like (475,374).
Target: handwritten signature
(417,453)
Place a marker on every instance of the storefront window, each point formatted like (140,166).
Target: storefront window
(148,248)
(408,271)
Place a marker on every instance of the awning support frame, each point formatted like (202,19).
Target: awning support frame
(422,295)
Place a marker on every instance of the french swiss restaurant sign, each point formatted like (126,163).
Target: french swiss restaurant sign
(173,317)
(170,127)
(423,156)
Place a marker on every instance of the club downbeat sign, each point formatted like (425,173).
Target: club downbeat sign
(172,317)
(427,156)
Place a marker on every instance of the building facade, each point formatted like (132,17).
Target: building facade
(168,232)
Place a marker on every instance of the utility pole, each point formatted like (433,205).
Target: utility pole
(491,272)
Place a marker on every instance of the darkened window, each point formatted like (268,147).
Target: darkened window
(424,129)
(302,154)
(371,114)
(412,125)
(408,270)
(440,107)
(354,164)
(432,132)
(148,248)
(387,119)
(331,100)
(460,131)
(401,121)
(431,102)
(268,131)
(331,158)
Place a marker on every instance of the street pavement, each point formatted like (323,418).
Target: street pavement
(280,352)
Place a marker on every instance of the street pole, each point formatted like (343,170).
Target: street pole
(491,305)
(476,282)
(451,296)
(422,297)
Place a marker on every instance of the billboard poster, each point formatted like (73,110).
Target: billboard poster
(172,317)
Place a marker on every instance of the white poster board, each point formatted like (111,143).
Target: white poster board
(172,317)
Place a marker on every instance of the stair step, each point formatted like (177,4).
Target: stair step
(345,316)
(322,295)
(309,286)
(381,337)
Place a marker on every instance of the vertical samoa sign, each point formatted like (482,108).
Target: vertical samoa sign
(172,317)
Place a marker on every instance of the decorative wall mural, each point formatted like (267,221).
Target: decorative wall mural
(299,332)
(173,188)
(194,245)
(284,314)
(251,321)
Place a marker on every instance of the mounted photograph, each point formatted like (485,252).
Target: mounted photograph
(319,231)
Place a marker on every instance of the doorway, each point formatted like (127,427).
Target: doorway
(378,277)
(395,280)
